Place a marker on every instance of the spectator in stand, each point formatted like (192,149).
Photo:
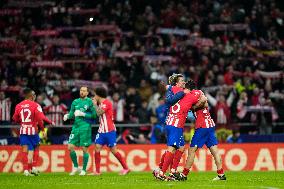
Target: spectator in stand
(143,113)
(5,109)
(222,110)
(236,43)
(235,137)
(145,90)
(5,114)
(132,98)
(161,111)
(241,107)
(56,111)
(157,134)
(118,108)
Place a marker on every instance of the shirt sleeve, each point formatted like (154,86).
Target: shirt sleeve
(16,116)
(195,96)
(191,98)
(93,113)
(38,117)
(172,98)
(72,110)
(105,106)
(42,116)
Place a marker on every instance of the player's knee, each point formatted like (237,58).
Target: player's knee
(70,147)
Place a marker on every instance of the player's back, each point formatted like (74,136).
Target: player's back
(27,114)
(178,112)
(106,119)
(203,117)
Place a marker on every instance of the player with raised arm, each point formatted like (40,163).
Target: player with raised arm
(204,134)
(107,132)
(82,110)
(174,127)
(30,116)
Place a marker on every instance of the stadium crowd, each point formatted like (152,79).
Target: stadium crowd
(232,49)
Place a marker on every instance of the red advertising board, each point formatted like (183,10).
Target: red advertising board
(236,157)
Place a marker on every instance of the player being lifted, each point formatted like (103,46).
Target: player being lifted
(81,110)
(204,134)
(107,131)
(174,127)
(30,116)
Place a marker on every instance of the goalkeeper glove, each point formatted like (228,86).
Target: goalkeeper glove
(65,117)
(79,113)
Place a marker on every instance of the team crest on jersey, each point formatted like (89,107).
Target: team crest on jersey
(86,107)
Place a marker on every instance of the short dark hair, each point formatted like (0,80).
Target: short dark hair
(173,79)
(101,92)
(27,92)
(190,84)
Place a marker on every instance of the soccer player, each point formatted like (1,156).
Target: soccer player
(82,110)
(176,80)
(174,127)
(30,116)
(107,131)
(204,134)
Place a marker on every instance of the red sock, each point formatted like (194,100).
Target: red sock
(121,160)
(25,160)
(98,161)
(162,160)
(35,157)
(30,165)
(220,171)
(185,171)
(168,160)
(176,160)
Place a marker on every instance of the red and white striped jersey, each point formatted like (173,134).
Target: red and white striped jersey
(203,119)
(5,110)
(29,115)
(178,112)
(106,119)
(56,112)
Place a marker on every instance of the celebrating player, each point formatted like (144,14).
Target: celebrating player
(30,116)
(204,134)
(82,109)
(107,131)
(171,98)
(174,127)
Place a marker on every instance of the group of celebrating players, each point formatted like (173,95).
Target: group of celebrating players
(181,97)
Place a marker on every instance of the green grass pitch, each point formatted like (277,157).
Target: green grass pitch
(196,180)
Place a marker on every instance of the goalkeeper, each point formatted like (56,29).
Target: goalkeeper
(81,134)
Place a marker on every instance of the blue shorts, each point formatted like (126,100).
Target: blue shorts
(204,136)
(108,139)
(174,136)
(31,140)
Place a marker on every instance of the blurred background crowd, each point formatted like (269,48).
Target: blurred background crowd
(232,49)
